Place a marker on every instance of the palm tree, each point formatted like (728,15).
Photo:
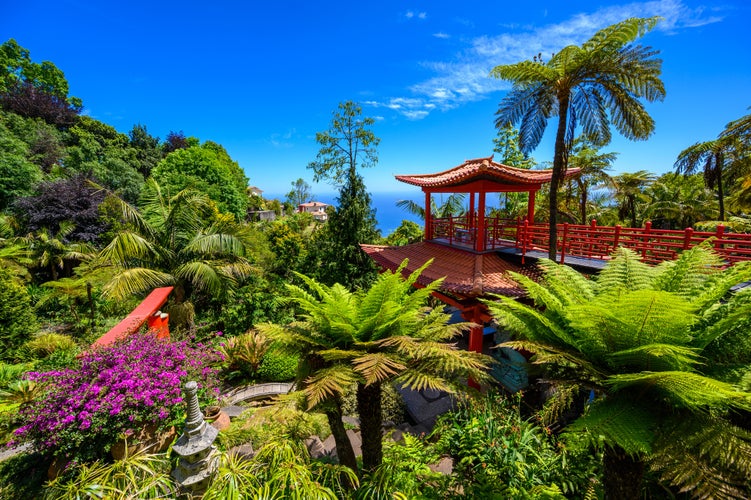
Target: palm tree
(179,241)
(593,165)
(659,348)
(452,207)
(53,252)
(718,159)
(590,86)
(678,202)
(384,335)
(629,190)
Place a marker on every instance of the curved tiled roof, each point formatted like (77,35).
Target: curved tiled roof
(483,169)
(466,273)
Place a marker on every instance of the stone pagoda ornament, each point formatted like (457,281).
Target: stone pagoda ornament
(198,457)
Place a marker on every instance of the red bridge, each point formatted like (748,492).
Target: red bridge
(585,241)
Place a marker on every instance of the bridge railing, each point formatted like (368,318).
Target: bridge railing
(654,245)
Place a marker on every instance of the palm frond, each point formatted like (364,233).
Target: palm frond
(136,280)
(127,246)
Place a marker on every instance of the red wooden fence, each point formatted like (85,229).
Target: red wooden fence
(654,245)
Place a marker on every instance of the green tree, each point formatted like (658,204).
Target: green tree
(721,159)
(97,149)
(348,145)
(16,66)
(179,241)
(629,191)
(506,144)
(408,232)
(593,165)
(18,174)
(146,148)
(678,202)
(654,347)
(385,335)
(16,314)
(592,86)
(209,169)
(301,193)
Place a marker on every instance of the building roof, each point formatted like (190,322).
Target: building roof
(314,204)
(466,273)
(483,169)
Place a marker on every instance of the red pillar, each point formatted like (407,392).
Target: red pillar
(470,223)
(531,207)
(480,233)
(475,340)
(428,218)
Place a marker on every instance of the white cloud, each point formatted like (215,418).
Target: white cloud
(283,140)
(465,78)
(441,35)
(410,14)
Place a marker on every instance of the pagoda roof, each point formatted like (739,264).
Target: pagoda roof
(466,273)
(483,169)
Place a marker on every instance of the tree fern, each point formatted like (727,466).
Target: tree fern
(623,424)
(657,346)
(626,272)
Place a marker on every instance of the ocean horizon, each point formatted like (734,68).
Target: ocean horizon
(388,215)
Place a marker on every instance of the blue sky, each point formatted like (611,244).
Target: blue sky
(261,78)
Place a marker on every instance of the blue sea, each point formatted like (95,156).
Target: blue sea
(388,215)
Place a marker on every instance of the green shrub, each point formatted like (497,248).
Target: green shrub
(17,319)
(22,476)
(45,344)
(278,366)
(497,454)
(10,373)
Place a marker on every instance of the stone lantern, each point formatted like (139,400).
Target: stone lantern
(198,457)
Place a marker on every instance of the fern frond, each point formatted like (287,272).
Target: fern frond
(707,458)
(328,383)
(689,390)
(377,367)
(626,272)
(629,426)
(657,357)
(527,321)
(690,273)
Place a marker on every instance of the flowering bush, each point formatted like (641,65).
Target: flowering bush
(115,392)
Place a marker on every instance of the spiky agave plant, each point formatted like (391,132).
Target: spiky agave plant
(652,345)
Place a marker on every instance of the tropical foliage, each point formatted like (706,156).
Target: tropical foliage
(179,241)
(592,86)
(650,344)
(385,335)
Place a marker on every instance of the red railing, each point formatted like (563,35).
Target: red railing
(146,312)
(589,241)
(462,231)
(654,245)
